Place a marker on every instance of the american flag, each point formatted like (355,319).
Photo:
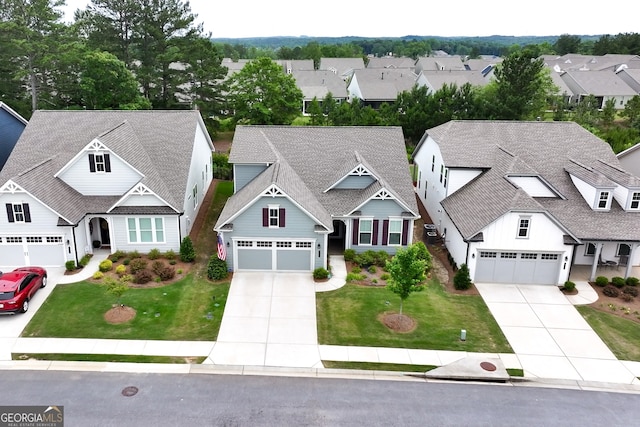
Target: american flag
(222,251)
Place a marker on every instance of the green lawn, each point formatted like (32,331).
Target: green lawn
(123,358)
(620,335)
(348,316)
(174,312)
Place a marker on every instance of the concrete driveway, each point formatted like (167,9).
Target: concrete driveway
(269,320)
(550,338)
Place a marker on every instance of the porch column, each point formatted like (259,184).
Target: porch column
(632,253)
(596,258)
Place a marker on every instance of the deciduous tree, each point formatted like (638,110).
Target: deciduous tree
(407,271)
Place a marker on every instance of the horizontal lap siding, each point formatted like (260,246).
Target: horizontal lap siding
(381,210)
(171,233)
(243,174)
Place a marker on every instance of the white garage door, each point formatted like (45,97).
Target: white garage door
(276,255)
(44,251)
(517,267)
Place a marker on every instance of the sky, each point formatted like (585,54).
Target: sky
(468,18)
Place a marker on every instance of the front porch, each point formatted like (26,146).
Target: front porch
(582,273)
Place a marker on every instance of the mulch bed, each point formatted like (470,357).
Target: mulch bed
(400,323)
(119,314)
(625,309)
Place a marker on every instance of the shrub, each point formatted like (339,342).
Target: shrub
(179,271)
(157,266)
(372,269)
(366,258)
(166,272)
(354,277)
(630,290)
(349,255)
(374,281)
(187,252)
(143,276)
(126,261)
(569,286)
(170,254)
(126,278)
(98,275)
(462,280)
(173,262)
(121,269)
(385,276)
(117,256)
(153,254)
(70,265)
(632,281)
(356,269)
(320,273)
(611,291)
(134,254)
(137,265)
(381,258)
(626,297)
(618,282)
(105,265)
(217,268)
(424,255)
(602,281)
(85,260)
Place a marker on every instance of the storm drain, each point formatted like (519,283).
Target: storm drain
(129,391)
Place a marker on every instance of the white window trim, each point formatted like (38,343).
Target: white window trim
(195,196)
(100,163)
(618,249)
(154,231)
(16,213)
(360,232)
(527,228)
(631,201)
(598,199)
(586,249)
(399,233)
(276,217)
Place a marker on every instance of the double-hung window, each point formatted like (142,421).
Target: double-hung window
(524,225)
(365,232)
(395,231)
(274,216)
(99,162)
(18,212)
(635,201)
(603,200)
(145,230)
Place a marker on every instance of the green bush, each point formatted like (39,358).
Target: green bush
(98,275)
(70,265)
(367,258)
(85,260)
(121,269)
(320,273)
(372,269)
(462,280)
(170,254)
(356,269)
(173,262)
(153,254)
(217,268)
(381,258)
(385,276)
(187,252)
(618,282)
(354,277)
(117,256)
(569,286)
(134,254)
(136,265)
(632,281)
(105,265)
(349,255)
(126,261)
(602,281)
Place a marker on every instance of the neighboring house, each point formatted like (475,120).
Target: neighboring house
(303,191)
(630,159)
(11,126)
(631,76)
(604,85)
(439,63)
(318,84)
(392,62)
(291,65)
(124,180)
(377,86)
(435,80)
(521,202)
(563,90)
(343,67)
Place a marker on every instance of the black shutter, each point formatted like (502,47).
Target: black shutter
(385,232)
(281,220)
(265,217)
(92,163)
(374,240)
(405,232)
(27,213)
(107,163)
(354,234)
(10,212)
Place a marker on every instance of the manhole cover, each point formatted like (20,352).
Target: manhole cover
(129,391)
(487,366)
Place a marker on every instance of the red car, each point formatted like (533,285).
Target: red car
(17,287)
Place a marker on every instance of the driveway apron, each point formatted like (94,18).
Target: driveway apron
(549,336)
(269,320)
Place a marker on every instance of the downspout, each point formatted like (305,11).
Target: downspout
(75,244)
(573,258)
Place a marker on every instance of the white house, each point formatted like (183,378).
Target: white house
(521,202)
(123,180)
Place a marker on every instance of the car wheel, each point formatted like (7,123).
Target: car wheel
(25,306)
(44,282)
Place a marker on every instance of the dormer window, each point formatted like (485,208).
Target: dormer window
(635,201)
(603,200)
(99,163)
(524,224)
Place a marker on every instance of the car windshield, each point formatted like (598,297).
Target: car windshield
(6,295)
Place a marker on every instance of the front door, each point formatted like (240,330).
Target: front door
(104,232)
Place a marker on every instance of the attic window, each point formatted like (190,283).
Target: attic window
(99,163)
(635,201)
(603,200)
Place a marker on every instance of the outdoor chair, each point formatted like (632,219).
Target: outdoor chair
(606,262)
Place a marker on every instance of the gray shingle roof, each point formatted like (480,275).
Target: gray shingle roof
(546,147)
(320,83)
(384,84)
(157,143)
(307,160)
(598,83)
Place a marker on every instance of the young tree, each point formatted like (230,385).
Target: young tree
(608,114)
(261,93)
(632,111)
(407,271)
(462,280)
(118,287)
(315,113)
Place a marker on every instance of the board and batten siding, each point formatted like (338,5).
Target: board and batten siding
(121,239)
(115,183)
(200,174)
(244,173)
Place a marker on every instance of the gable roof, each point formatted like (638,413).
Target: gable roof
(383,84)
(12,112)
(597,83)
(546,148)
(341,66)
(318,84)
(159,144)
(304,161)
(437,79)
